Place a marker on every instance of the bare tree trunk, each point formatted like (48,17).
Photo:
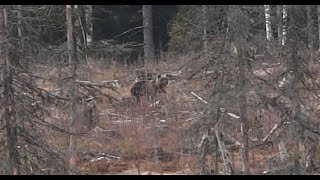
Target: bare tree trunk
(205,23)
(309,27)
(283,154)
(318,12)
(83,29)
(216,155)
(203,149)
(267,12)
(148,33)
(77,25)
(281,145)
(19,20)
(296,104)
(7,95)
(284,23)
(241,27)
(83,42)
(89,24)
(216,159)
(72,93)
(225,157)
(298,127)
(280,24)
(311,157)
(243,114)
(220,85)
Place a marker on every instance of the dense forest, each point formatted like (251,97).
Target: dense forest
(159,89)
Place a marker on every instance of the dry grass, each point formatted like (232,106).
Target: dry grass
(143,127)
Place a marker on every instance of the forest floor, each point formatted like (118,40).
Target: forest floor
(145,139)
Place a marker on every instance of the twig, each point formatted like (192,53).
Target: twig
(199,97)
(233,115)
(89,83)
(273,130)
(139,27)
(114,114)
(275,127)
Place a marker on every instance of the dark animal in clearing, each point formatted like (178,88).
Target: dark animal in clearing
(149,88)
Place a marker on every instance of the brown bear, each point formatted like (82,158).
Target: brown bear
(149,88)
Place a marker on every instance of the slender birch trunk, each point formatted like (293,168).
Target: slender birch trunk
(89,24)
(280,24)
(267,12)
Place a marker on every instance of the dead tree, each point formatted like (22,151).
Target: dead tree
(309,26)
(280,24)
(89,24)
(148,33)
(9,116)
(72,87)
(239,26)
